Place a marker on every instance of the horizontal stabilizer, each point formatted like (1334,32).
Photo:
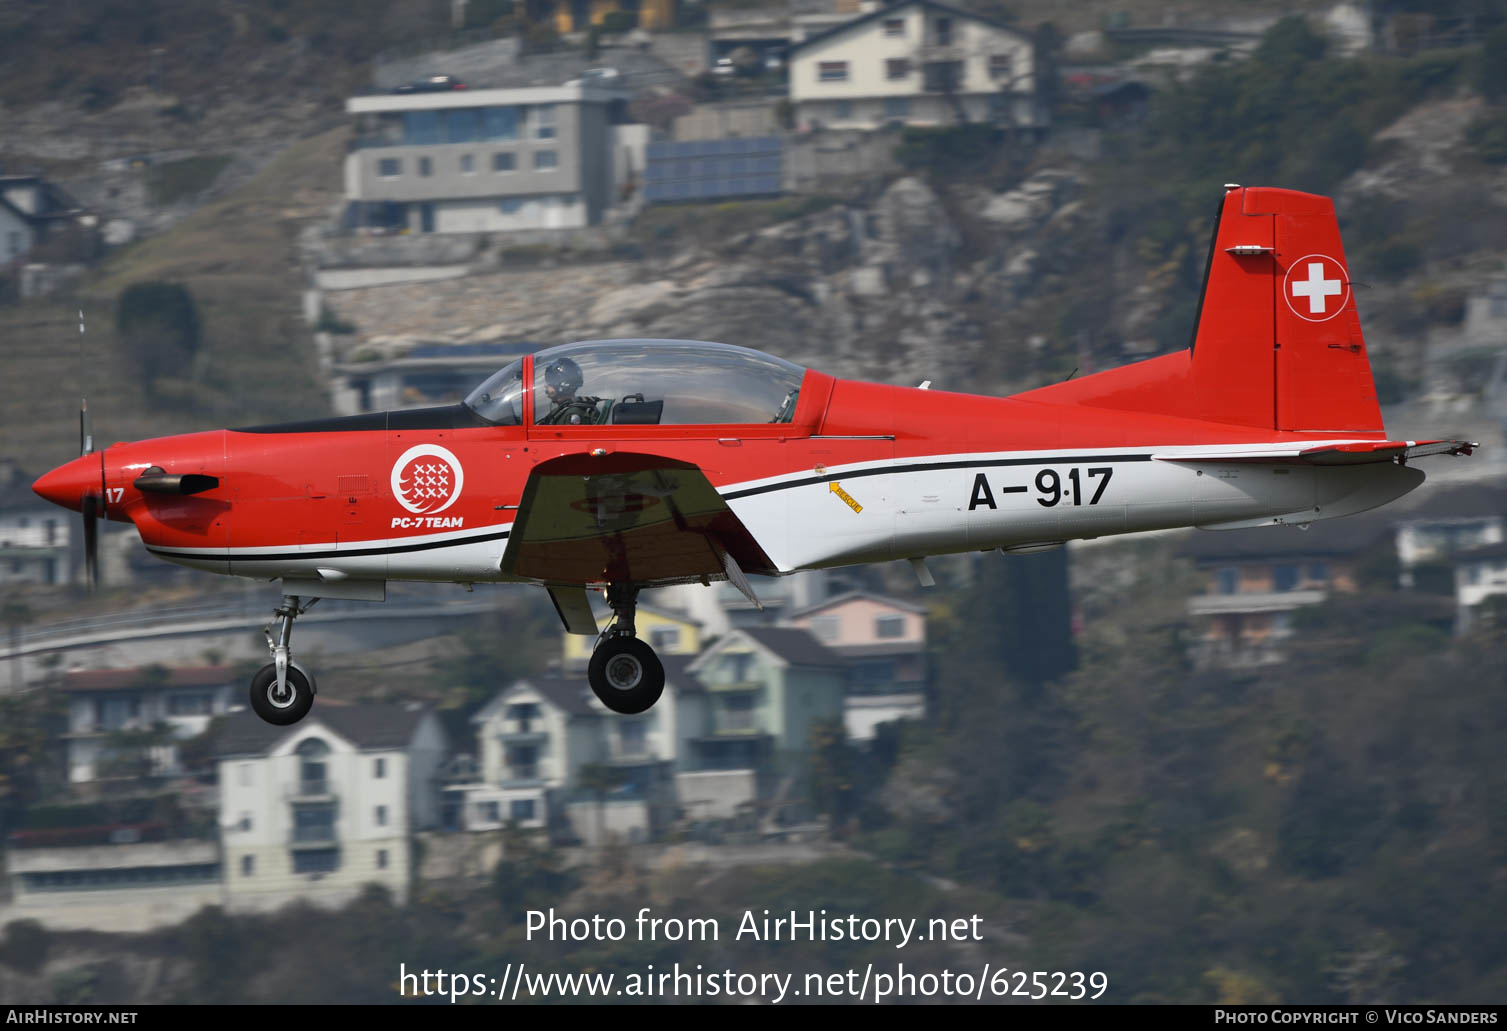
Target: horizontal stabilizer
(1359,453)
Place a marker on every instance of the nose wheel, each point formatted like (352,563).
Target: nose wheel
(624,673)
(282,692)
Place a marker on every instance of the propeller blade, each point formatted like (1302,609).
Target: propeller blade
(85,429)
(91,539)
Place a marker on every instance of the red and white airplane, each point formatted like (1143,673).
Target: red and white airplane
(626,464)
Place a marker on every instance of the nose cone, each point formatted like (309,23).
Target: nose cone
(67,484)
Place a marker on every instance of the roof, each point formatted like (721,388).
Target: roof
(132,679)
(883,11)
(1344,536)
(370,725)
(847,596)
(792,644)
(1471,501)
(1483,553)
(571,695)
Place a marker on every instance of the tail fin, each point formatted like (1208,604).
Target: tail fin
(1277,343)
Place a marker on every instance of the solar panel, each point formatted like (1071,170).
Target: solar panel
(746,166)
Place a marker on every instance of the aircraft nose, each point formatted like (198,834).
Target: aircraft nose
(68,483)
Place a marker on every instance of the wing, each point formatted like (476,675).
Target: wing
(626,518)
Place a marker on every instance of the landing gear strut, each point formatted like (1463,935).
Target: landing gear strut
(282,691)
(624,673)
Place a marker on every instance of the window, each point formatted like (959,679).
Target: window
(1228,581)
(381,859)
(523,762)
(311,772)
(544,122)
(824,628)
(379,768)
(504,162)
(832,71)
(546,159)
(511,206)
(489,812)
(499,123)
(943,76)
(890,626)
(524,714)
(319,860)
(842,109)
(944,32)
(15,243)
(314,823)
(1001,66)
(245,824)
(248,865)
(665,638)
(467,164)
(634,737)
(897,107)
(1285,577)
(897,68)
(381,816)
(196,703)
(1318,572)
(462,125)
(894,27)
(390,168)
(426,167)
(521,810)
(421,127)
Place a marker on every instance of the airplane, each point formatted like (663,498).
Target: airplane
(621,465)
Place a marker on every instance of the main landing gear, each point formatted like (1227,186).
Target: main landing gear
(283,691)
(624,672)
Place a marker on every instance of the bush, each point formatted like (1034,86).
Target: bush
(1488,136)
(25,946)
(158,324)
(617,22)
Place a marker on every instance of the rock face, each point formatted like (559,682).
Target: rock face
(890,289)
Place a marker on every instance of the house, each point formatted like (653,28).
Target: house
(883,641)
(489,160)
(762,691)
(35,541)
(105,706)
(915,62)
(549,751)
(321,808)
(668,632)
(1448,523)
(1255,579)
(39,221)
(1480,586)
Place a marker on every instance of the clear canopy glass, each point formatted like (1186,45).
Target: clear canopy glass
(500,399)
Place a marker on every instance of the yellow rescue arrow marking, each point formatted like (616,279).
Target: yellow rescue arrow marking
(846,497)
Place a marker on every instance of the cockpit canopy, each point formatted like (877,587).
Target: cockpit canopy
(644,382)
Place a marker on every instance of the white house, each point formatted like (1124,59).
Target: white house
(1479,576)
(320,809)
(916,62)
(104,702)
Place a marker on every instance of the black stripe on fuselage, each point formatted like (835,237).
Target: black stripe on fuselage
(445,417)
(914,467)
(277,556)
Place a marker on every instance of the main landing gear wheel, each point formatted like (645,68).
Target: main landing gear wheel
(282,691)
(626,675)
(282,706)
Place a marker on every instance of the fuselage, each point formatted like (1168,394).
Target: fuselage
(860,472)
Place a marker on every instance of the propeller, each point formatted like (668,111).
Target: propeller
(92,503)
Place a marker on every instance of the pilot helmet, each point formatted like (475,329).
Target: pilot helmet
(563,377)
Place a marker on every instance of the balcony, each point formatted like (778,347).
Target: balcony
(1254,601)
(320,790)
(314,836)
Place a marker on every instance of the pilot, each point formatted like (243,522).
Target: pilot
(562,378)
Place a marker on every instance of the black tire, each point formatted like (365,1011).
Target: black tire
(264,689)
(626,675)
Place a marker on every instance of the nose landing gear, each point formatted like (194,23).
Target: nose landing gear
(283,691)
(624,673)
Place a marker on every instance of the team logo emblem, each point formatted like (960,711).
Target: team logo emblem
(427,479)
(1316,288)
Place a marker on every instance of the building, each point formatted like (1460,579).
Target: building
(39,221)
(320,809)
(1255,579)
(1448,523)
(1480,587)
(668,633)
(916,62)
(490,160)
(113,712)
(35,543)
(883,642)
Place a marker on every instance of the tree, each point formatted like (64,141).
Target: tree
(158,324)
